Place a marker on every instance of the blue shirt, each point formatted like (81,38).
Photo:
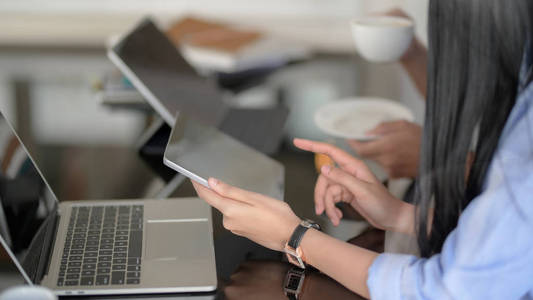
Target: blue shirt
(490,253)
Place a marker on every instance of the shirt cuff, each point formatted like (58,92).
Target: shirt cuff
(385,275)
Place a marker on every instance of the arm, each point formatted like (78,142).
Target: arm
(350,272)
(415,63)
(415,59)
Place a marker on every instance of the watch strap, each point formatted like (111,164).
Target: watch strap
(292,296)
(297,236)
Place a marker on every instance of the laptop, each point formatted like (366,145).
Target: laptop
(200,151)
(100,247)
(169,84)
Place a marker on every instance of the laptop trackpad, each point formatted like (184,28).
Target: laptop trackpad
(177,240)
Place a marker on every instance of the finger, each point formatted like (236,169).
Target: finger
(347,197)
(387,127)
(320,192)
(350,182)
(337,192)
(211,197)
(329,202)
(231,192)
(369,149)
(341,157)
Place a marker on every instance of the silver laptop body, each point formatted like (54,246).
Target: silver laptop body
(101,247)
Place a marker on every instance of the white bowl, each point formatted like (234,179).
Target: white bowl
(382,38)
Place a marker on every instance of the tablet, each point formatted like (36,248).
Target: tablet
(199,151)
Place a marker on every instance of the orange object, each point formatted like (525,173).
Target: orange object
(322,160)
(211,35)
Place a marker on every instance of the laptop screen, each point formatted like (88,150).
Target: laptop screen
(148,58)
(27,205)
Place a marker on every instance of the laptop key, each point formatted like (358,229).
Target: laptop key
(102,279)
(91,248)
(106,246)
(117,261)
(73,270)
(104,258)
(73,276)
(134,268)
(74,264)
(104,264)
(71,282)
(119,255)
(89,266)
(119,267)
(133,274)
(90,260)
(88,273)
(133,281)
(117,277)
(121,243)
(135,244)
(105,252)
(104,271)
(60,281)
(134,261)
(87,281)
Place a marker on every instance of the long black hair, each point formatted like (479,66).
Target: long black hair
(475,53)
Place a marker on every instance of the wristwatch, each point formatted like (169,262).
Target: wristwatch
(294,282)
(294,253)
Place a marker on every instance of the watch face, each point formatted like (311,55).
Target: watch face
(294,282)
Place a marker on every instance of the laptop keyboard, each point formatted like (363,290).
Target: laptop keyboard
(103,246)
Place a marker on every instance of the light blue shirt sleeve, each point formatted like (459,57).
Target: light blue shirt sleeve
(490,253)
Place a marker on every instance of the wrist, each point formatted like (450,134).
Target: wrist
(416,49)
(404,222)
(292,249)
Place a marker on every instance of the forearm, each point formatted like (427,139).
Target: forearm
(348,265)
(415,63)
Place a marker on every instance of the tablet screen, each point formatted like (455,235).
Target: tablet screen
(199,152)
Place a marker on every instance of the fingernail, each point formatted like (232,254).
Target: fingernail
(214,182)
(326,169)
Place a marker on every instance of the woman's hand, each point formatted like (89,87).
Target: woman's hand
(264,220)
(397,149)
(352,182)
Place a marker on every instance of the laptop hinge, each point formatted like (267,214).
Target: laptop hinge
(48,245)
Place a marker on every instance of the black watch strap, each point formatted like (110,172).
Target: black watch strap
(292,296)
(297,236)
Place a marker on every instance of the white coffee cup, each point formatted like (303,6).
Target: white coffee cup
(27,292)
(382,38)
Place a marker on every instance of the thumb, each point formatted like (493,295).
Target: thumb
(339,176)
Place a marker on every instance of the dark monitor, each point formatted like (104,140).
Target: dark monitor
(153,64)
(27,205)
